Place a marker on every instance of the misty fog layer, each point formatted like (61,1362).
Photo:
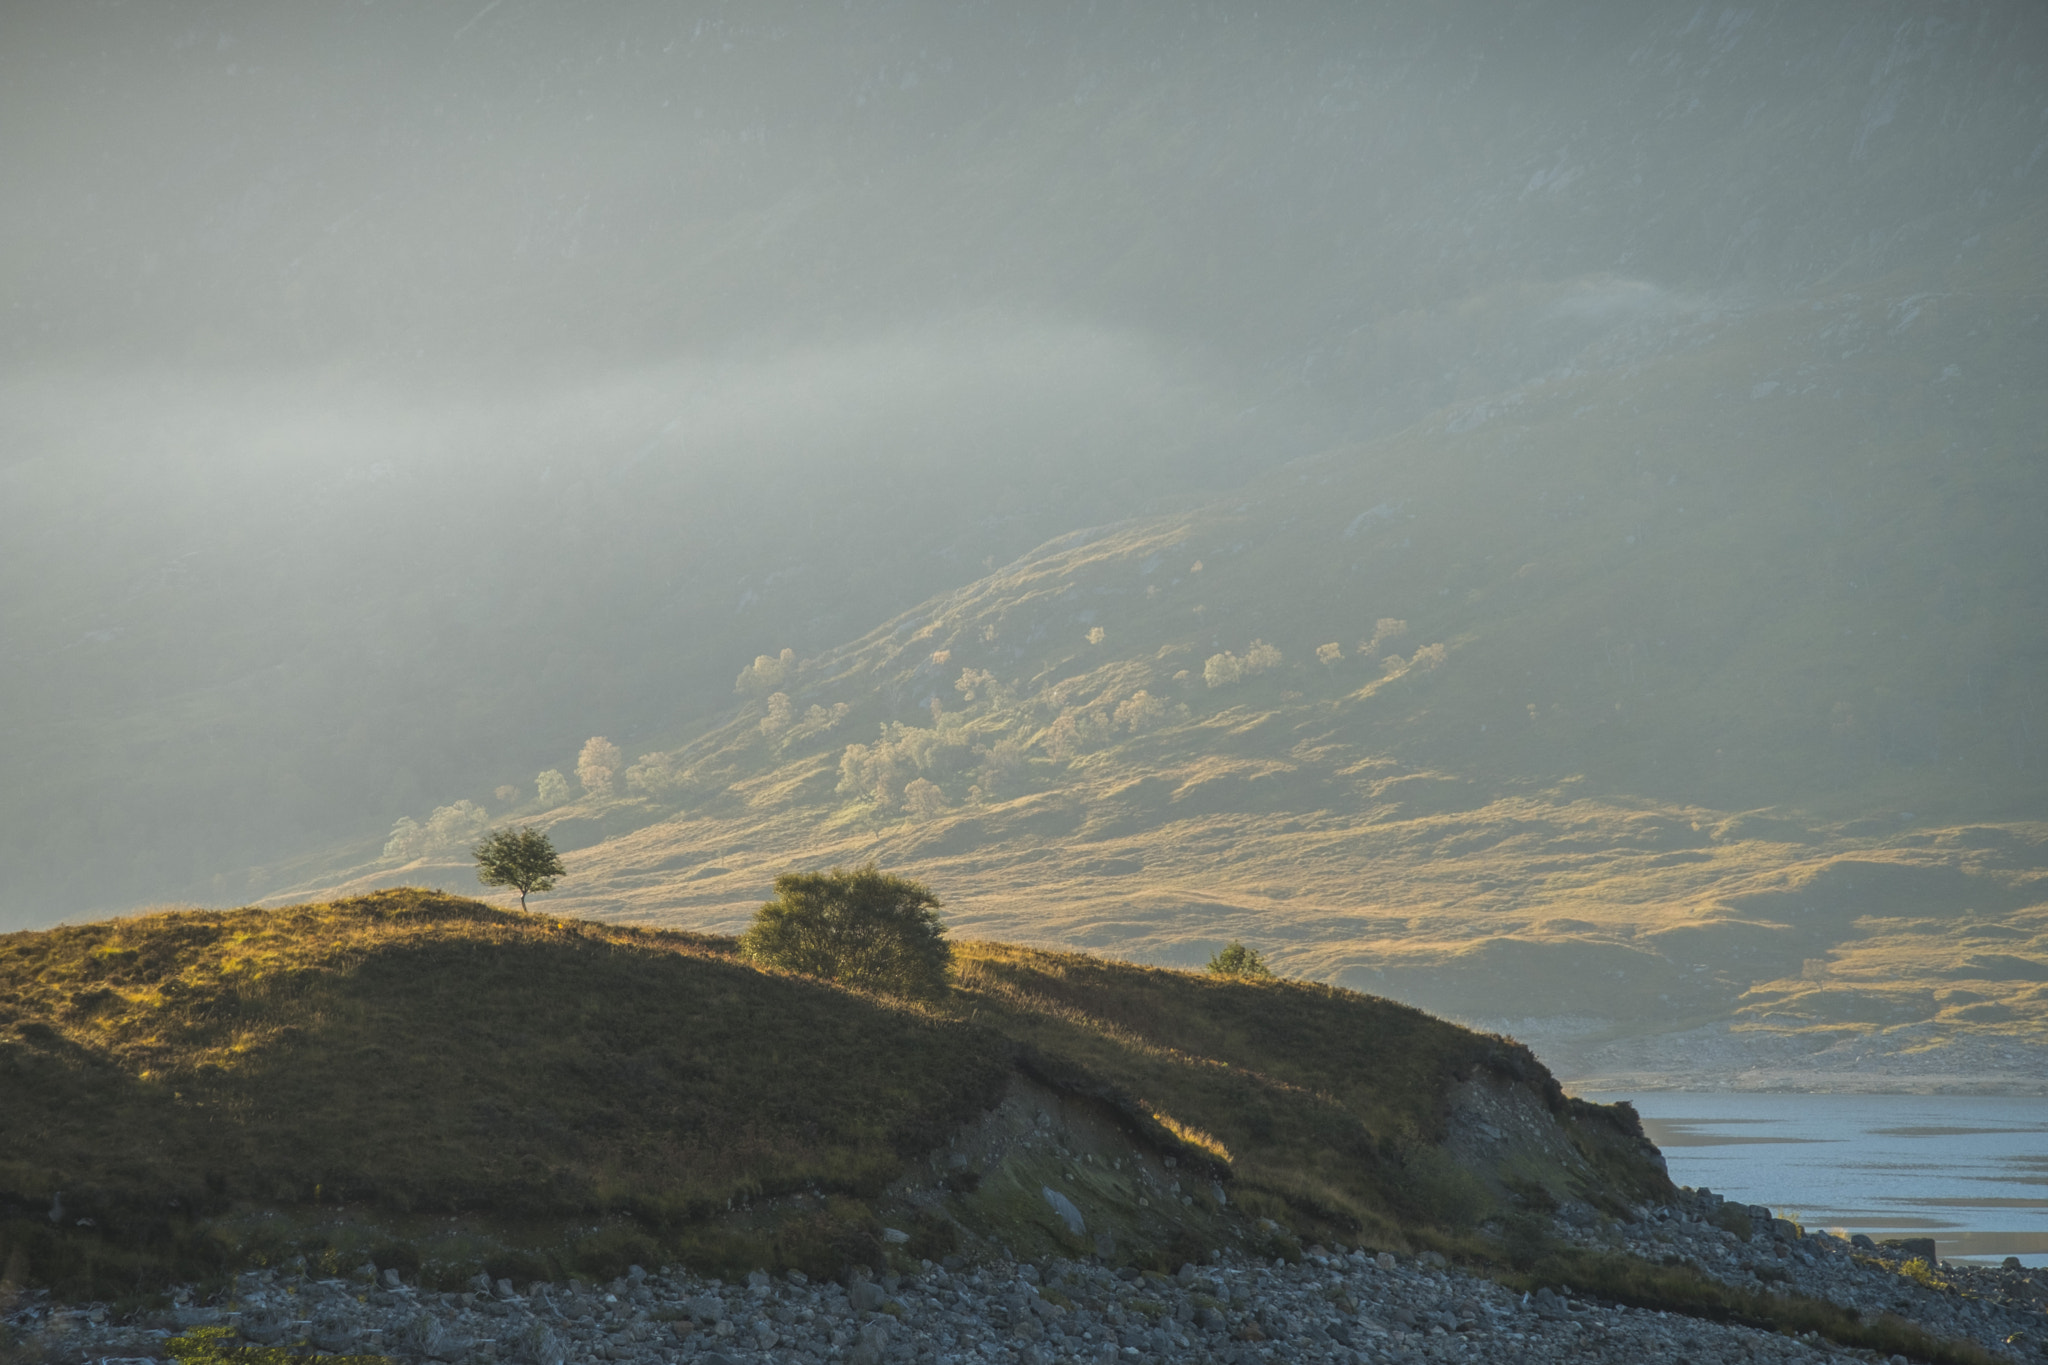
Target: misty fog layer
(392,397)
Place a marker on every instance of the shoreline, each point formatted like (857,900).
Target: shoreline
(1345,1306)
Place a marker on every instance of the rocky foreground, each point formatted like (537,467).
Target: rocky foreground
(1334,1306)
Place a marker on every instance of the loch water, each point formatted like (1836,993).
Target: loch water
(1969,1171)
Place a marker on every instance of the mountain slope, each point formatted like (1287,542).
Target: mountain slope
(402,396)
(1737,610)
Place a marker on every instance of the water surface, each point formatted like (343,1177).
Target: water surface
(1969,1171)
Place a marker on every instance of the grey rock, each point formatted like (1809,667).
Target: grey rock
(422,1335)
(392,1280)
(866,1296)
(538,1345)
(333,1333)
(1065,1208)
(264,1326)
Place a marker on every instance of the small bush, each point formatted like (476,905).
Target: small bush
(1236,960)
(861,928)
(1731,1218)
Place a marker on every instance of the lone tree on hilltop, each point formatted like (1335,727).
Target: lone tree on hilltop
(521,858)
(859,927)
(1236,960)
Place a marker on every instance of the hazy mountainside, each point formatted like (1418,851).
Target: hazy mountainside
(205,1091)
(1697,681)
(397,399)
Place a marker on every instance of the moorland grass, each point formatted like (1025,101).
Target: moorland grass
(173,1079)
(426,1055)
(1329,1105)
(1684,1290)
(194,1092)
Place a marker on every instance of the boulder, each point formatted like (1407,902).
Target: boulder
(1065,1208)
(333,1333)
(538,1345)
(263,1326)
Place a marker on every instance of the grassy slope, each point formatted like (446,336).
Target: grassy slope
(1741,618)
(418,1056)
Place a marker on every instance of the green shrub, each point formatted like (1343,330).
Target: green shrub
(1245,964)
(861,928)
(214,1346)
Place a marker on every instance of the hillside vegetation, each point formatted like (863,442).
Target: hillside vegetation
(474,1086)
(1705,670)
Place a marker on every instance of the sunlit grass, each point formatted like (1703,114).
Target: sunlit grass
(416,1057)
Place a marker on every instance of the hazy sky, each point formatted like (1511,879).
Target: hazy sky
(385,386)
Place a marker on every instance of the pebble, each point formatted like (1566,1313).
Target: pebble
(1347,1308)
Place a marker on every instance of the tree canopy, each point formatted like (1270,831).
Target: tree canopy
(523,858)
(1246,964)
(860,927)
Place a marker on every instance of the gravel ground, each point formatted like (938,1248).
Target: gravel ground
(1340,1307)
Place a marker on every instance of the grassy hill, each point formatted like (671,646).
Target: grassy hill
(1698,680)
(448,1085)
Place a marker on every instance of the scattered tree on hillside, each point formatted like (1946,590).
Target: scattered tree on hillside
(780,714)
(1330,653)
(1236,960)
(858,927)
(1226,668)
(818,719)
(597,767)
(766,673)
(1002,764)
(1062,738)
(973,682)
(1140,712)
(901,754)
(1095,636)
(923,799)
(1385,629)
(656,774)
(407,841)
(552,786)
(449,826)
(1425,658)
(524,859)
